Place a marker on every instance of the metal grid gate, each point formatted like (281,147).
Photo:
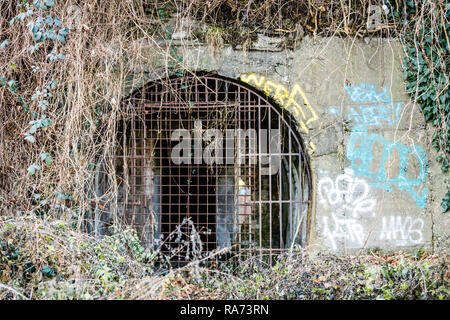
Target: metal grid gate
(207,164)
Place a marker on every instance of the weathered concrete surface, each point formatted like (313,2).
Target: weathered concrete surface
(377,185)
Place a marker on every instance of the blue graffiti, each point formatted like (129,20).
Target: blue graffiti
(376,113)
(334,111)
(362,157)
(367,93)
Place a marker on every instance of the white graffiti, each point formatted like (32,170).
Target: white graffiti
(348,197)
(348,229)
(402,231)
(347,192)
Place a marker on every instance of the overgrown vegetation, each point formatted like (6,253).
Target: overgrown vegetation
(62,80)
(425,27)
(49,260)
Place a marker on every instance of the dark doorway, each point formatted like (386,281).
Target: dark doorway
(188,205)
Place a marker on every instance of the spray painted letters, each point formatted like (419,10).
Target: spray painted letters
(362,157)
(346,192)
(402,230)
(378,112)
(345,229)
(301,108)
(361,144)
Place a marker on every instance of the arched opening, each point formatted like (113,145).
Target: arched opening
(206,163)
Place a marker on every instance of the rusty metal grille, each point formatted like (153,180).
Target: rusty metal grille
(237,202)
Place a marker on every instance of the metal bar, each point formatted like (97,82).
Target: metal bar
(280,191)
(260,179)
(270,182)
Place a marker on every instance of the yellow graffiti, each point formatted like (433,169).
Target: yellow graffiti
(312,147)
(302,111)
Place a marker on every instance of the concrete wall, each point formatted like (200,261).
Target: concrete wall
(377,185)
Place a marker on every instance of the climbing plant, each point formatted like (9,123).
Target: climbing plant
(47,37)
(424,27)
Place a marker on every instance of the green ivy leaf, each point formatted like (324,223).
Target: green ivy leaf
(45,156)
(33,168)
(48,272)
(30,138)
(4,44)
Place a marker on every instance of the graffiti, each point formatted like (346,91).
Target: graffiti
(361,162)
(367,93)
(348,229)
(399,230)
(371,115)
(375,115)
(361,144)
(348,195)
(376,108)
(347,192)
(402,230)
(295,99)
(381,111)
(312,147)
(334,111)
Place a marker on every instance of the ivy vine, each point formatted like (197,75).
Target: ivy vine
(44,27)
(425,29)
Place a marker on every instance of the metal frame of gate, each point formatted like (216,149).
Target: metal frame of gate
(194,209)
